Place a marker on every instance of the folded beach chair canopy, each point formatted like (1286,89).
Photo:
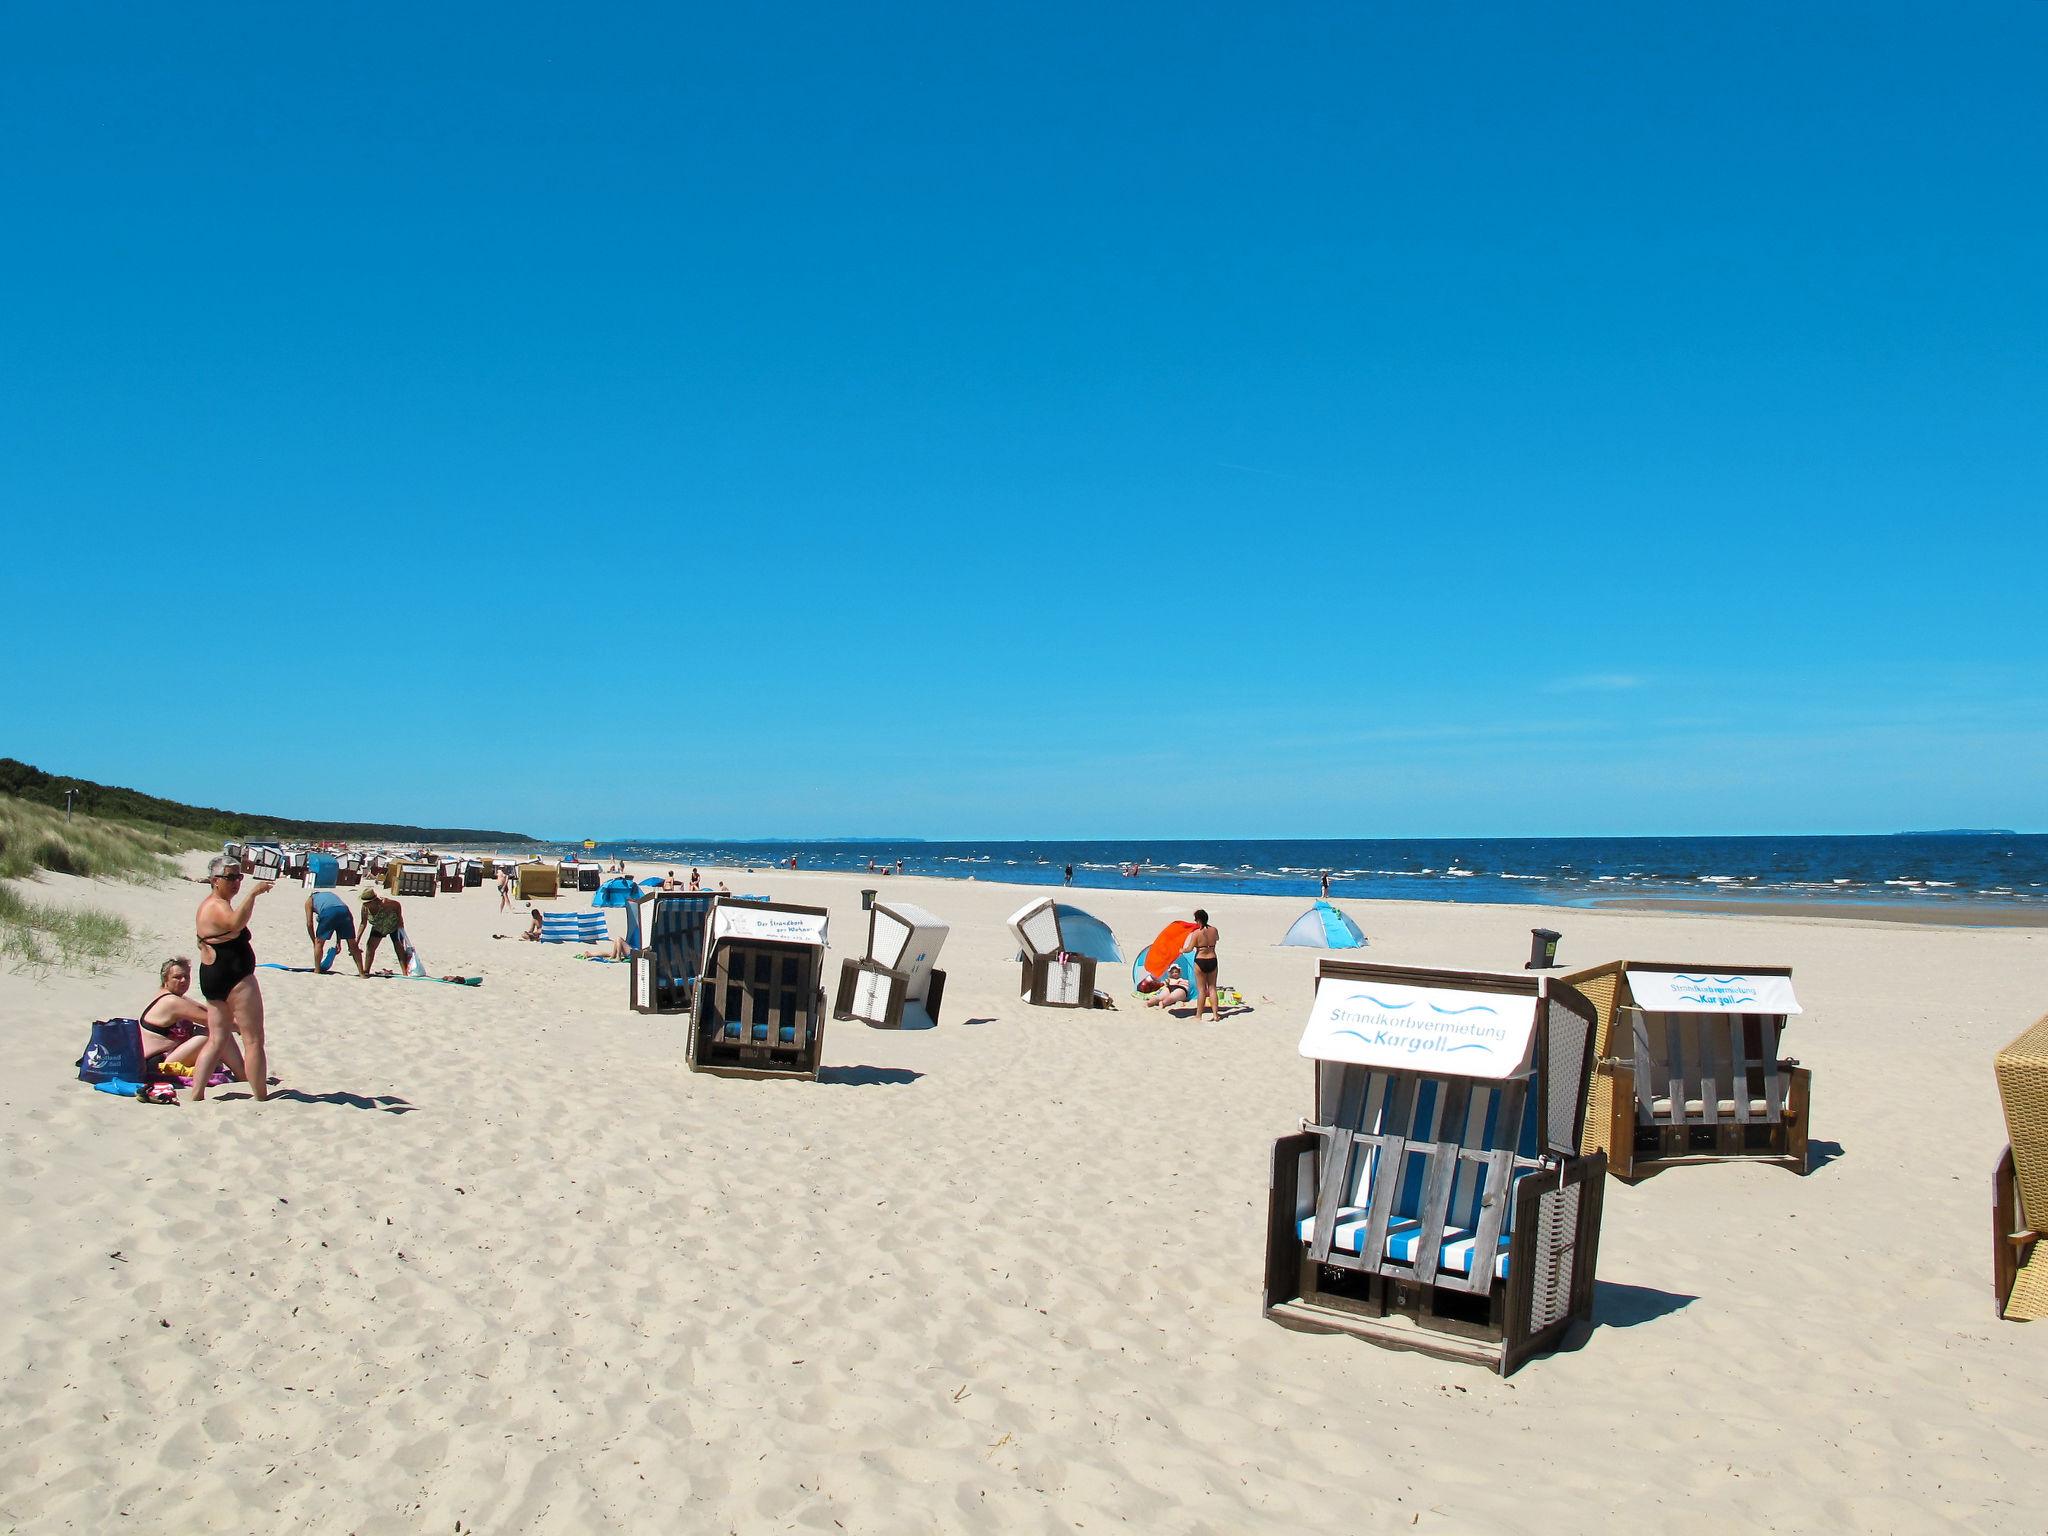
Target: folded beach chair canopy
(1437,1200)
(761,998)
(2019,1189)
(574,928)
(668,952)
(1689,1068)
(1059,948)
(1322,926)
(895,983)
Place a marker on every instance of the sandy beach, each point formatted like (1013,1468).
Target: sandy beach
(493,1260)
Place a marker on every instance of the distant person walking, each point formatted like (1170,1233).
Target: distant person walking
(1202,945)
(227,976)
(1326,885)
(1070,874)
(504,888)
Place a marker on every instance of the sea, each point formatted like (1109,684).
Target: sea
(1918,868)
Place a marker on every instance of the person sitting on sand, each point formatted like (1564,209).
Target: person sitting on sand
(669,882)
(696,880)
(328,917)
(1170,991)
(533,927)
(173,1026)
(384,918)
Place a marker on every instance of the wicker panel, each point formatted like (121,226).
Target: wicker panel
(2029,1300)
(1601,989)
(1557,1231)
(1564,1075)
(2022,1070)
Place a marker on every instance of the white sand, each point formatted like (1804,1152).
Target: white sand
(494,1256)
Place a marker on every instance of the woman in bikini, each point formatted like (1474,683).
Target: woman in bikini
(173,1026)
(384,918)
(227,976)
(1202,945)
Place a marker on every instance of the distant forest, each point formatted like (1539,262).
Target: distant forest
(119,804)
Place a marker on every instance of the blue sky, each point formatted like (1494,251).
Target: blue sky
(1031,420)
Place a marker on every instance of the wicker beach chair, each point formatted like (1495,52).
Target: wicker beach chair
(673,926)
(761,998)
(1438,1201)
(1688,1068)
(411,879)
(537,880)
(2019,1188)
(449,879)
(896,977)
(1060,947)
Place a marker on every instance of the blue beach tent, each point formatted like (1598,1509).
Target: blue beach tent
(1322,926)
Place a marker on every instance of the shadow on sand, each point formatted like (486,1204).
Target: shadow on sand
(868,1077)
(386,1103)
(1630,1306)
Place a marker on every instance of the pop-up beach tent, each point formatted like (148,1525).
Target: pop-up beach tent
(1322,926)
(621,892)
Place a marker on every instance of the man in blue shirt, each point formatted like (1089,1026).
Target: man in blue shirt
(328,917)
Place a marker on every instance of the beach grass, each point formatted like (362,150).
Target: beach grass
(37,935)
(34,837)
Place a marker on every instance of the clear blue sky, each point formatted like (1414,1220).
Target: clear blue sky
(991,420)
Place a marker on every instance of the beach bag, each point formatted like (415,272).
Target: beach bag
(113,1051)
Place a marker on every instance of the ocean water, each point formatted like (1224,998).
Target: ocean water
(1918,868)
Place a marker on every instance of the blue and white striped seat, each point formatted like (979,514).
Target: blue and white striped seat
(1404,1241)
(734,1030)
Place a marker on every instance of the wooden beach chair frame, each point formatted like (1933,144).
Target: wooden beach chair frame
(673,928)
(1709,1053)
(448,879)
(877,994)
(2019,1185)
(1547,1203)
(758,983)
(415,879)
(588,877)
(535,882)
(1045,980)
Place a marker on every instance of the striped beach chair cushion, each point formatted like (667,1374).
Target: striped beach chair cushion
(1404,1238)
(734,1030)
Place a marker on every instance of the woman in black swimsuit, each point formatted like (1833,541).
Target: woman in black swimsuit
(173,1025)
(1202,945)
(227,976)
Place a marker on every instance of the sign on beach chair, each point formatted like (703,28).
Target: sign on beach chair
(1060,947)
(673,928)
(896,978)
(2019,1187)
(1688,1066)
(761,998)
(1437,1200)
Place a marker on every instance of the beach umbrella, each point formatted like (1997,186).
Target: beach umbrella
(1322,926)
